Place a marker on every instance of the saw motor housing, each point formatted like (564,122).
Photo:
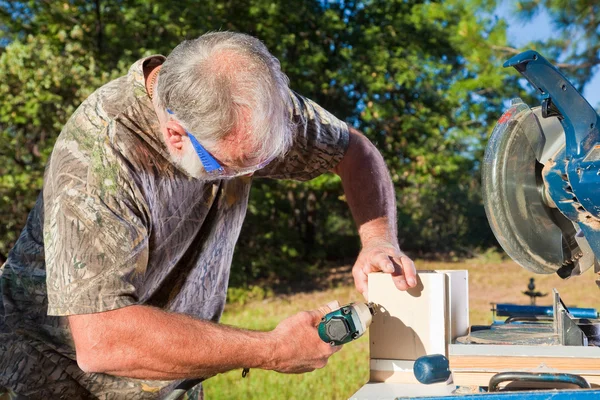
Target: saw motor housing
(541,175)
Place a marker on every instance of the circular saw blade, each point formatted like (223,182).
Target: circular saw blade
(538,237)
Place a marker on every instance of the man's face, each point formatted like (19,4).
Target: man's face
(188,160)
(229,158)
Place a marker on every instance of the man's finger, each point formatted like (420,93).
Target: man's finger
(360,281)
(336,349)
(410,271)
(398,276)
(329,307)
(381,262)
(317,315)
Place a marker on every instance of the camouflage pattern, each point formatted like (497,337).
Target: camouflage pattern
(118,223)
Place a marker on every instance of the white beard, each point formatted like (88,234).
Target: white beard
(190,163)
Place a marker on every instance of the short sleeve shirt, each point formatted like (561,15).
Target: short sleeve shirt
(118,223)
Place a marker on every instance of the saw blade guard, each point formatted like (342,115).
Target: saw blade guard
(523,217)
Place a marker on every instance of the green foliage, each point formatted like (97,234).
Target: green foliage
(490,255)
(423,82)
(574,44)
(421,79)
(243,295)
(41,84)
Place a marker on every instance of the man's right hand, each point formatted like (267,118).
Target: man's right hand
(298,347)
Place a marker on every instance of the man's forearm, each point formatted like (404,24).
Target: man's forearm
(369,190)
(147,343)
(370,195)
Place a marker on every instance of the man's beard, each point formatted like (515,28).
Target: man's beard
(190,163)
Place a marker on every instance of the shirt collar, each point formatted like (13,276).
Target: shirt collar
(136,73)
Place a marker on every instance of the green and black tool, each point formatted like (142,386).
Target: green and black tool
(346,324)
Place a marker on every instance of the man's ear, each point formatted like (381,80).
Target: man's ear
(175,133)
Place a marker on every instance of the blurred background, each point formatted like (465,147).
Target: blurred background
(422,79)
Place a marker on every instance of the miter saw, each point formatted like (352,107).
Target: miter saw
(541,192)
(541,176)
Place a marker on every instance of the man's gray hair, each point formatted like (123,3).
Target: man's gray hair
(223,82)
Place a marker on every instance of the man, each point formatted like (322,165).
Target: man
(115,285)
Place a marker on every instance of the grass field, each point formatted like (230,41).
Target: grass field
(490,280)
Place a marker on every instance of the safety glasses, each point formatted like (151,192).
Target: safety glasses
(212,166)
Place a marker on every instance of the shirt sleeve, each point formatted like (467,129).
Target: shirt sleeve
(95,238)
(319,144)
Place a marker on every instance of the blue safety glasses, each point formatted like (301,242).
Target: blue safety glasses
(212,166)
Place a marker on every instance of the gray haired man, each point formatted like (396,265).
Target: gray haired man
(117,282)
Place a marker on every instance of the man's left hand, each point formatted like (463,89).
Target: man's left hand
(385,257)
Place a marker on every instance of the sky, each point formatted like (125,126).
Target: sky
(540,27)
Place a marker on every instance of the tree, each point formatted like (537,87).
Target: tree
(420,78)
(40,88)
(574,46)
(423,81)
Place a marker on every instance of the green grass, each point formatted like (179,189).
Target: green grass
(490,280)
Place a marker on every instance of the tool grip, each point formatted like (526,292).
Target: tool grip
(432,369)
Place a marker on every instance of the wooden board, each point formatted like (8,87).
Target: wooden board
(489,358)
(457,302)
(397,371)
(394,371)
(409,324)
(474,363)
(495,350)
(414,323)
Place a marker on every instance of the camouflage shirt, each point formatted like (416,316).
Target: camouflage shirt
(118,223)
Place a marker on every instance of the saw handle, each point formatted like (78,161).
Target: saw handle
(536,377)
(578,117)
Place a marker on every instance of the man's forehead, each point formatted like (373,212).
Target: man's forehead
(238,148)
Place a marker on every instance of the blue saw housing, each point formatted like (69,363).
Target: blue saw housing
(573,178)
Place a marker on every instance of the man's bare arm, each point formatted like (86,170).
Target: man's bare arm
(369,190)
(370,195)
(147,343)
